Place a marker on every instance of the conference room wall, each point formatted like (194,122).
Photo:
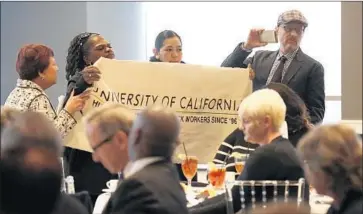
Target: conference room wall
(352,63)
(50,23)
(56,23)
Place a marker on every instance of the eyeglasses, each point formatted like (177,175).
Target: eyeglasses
(290,28)
(103,142)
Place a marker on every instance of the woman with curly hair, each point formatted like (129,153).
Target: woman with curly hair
(84,50)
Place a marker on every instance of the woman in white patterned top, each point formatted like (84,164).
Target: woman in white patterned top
(37,71)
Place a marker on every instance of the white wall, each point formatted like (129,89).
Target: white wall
(50,23)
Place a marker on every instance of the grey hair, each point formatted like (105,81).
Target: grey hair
(111,117)
(160,131)
(335,150)
(29,130)
(8,114)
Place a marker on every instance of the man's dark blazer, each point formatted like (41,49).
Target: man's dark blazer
(154,189)
(275,161)
(304,75)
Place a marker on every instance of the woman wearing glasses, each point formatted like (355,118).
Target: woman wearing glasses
(85,49)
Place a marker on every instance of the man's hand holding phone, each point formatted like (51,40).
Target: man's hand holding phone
(259,38)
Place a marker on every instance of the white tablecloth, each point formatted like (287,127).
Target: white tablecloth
(316,208)
(101,203)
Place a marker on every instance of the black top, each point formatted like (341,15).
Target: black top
(275,161)
(351,204)
(88,175)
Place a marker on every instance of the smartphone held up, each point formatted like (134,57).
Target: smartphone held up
(268,36)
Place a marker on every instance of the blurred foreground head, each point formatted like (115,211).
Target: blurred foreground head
(30,165)
(332,156)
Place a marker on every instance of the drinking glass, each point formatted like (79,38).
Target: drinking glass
(189,167)
(216,175)
(239,164)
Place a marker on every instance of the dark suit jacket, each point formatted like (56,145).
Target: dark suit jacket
(352,203)
(275,161)
(68,204)
(154,189)
(304,75)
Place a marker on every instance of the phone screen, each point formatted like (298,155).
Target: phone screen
(268,36)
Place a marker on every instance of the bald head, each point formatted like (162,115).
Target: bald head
(154,133)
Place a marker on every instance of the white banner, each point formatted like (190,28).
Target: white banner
(205,98)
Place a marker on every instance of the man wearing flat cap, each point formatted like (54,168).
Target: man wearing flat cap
(288,65)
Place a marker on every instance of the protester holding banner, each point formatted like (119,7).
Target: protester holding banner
(297,119)
(85,49)
(37,71)
(288,65)
(168,48)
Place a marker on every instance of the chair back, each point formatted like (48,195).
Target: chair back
(63,187)
(269,190)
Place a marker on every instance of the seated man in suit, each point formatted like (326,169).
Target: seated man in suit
(288,65)
(30,169)
(151,183)
(261,115)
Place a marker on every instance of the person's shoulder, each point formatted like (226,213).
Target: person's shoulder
(280,145)
(76,77)
(70,205)
(308,58)
(264,52)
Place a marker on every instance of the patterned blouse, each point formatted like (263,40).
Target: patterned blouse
(27,95)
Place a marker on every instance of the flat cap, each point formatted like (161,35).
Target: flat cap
(292,16)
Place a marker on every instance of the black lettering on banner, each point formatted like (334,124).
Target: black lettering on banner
(181,118)
(154,98)
(222,120)
(233,120)
(197,119)
(208,104)
(181,103)
(129,99)
(105,96)
(96,103)
(123,98)
(219,104)
(165,101)
(172,101)
(137,100)
(185,103)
